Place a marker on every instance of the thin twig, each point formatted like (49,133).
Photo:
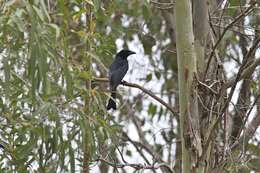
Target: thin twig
(206,86)
(237,141)
(134,165)
(243,14)
(232,90)
(249,67)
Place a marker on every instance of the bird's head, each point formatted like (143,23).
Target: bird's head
(125,53)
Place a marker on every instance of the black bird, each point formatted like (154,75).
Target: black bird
(117,71)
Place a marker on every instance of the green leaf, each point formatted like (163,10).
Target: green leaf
(146,12)
(148,77)
(157,74)
(56,28)
(24,150)
(69,82)
(85,75)
(72,159)
(17,18)
(32,68)
(43,109)
(152,109)
(45,10)
(39,13)
(128,153)
(7,70)
(97,4)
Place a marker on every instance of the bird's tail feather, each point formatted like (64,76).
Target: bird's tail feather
(111,102)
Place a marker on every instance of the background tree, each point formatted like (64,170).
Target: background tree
(54,58)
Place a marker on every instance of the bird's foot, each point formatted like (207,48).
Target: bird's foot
(123,82)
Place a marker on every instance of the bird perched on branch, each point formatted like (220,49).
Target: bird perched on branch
(117,71)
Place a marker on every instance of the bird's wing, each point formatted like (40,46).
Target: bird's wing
(116,75)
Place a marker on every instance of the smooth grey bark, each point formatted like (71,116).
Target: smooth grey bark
(186,68)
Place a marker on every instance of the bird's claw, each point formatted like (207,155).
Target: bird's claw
(123,82)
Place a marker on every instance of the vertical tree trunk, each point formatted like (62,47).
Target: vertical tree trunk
(186,67)
(201,31)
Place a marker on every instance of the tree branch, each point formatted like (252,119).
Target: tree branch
(246,72)
(243,14)
(136,166)
(124,83)
(250,129)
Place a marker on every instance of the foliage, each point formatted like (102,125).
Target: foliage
(44,48)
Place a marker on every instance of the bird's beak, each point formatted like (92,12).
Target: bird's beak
(132,53)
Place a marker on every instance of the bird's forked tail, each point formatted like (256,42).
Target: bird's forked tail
(111,102)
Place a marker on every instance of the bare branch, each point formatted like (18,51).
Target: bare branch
(251,128)
(243,14)
(136,166)
(169,107)
(232,90)
(143,146)
(246,72)
(249,67)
